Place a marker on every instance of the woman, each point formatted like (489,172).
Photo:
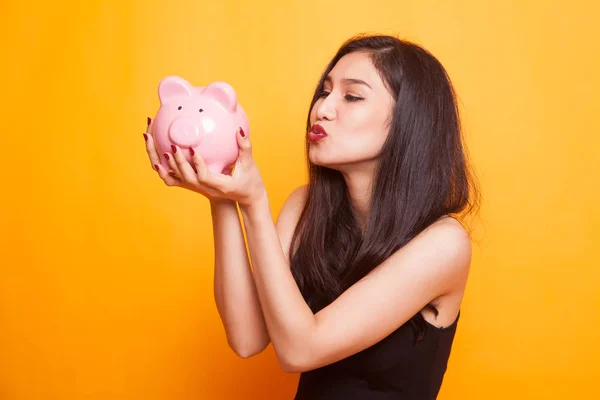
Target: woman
(358,285)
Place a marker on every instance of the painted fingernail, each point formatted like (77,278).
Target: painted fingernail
(156,167)
(242,132)
(149,121)
(166,156)
(145,137)
(192,152)
(174,148)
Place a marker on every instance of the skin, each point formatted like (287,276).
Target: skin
(431,268)
(356,117)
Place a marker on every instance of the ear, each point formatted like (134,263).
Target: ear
(223,93)
(173,86)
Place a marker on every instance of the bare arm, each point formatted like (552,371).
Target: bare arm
(234,288)
(433,264)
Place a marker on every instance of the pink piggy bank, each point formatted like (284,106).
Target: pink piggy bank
(203,118)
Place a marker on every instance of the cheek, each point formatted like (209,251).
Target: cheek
(346,149)
(313,115)
(365,142)
(366,146)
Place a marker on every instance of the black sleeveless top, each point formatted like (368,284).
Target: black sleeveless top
(398,367)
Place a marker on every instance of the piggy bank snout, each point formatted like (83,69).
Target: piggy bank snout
(186,132)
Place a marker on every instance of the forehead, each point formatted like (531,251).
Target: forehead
(356,65)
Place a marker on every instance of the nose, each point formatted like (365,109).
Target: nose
(185,132)
(326,108)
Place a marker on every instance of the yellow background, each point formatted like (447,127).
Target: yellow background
(106,273)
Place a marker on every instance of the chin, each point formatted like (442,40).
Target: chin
(343,157)
(342,164)
(327,162)
(320,158)
(321,163)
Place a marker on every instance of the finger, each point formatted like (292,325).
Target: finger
(221,182)
(245,146)
(185,169)
(199,166)
(153,153)
(151,150)
(207,178)
(168,179)
(236,167)
(172,165)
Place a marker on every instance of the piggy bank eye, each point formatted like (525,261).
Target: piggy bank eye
(201,110)
(179,108)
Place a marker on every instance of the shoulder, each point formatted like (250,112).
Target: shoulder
(298,195)
(289,215)
(447,243)
(450,230)
(450,247)
(292,207)
(440,255)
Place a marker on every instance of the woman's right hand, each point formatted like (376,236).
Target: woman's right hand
(184,176)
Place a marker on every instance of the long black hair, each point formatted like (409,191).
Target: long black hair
(422,174)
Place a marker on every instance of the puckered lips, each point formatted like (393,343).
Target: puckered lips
(317,133)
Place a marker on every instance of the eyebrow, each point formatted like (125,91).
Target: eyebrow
(350,81)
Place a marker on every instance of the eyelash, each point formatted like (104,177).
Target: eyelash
(348,97)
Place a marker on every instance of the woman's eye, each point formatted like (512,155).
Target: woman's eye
(352,98)
(348,97)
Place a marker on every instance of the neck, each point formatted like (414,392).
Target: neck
(359,190)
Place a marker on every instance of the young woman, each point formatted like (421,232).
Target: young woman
(358,285)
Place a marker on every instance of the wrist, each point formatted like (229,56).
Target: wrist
(219,204)
(258,205)
(218,201)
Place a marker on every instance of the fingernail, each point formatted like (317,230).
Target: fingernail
(192,152)
(166,156)
(145,137)
(149,121)
(156,167)
(242,132)
(174,148)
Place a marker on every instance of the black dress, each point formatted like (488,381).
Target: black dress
(398,367)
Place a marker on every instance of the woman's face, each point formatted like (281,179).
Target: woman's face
(353,108)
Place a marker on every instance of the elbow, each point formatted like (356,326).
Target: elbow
(293,362)
(247,351)
(291,368)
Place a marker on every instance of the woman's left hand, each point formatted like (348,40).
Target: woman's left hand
(244,185)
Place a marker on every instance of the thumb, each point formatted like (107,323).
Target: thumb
(245,147)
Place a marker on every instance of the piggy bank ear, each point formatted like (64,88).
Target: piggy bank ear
(174,86)
(223,93)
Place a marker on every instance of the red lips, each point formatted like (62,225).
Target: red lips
(317,133)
